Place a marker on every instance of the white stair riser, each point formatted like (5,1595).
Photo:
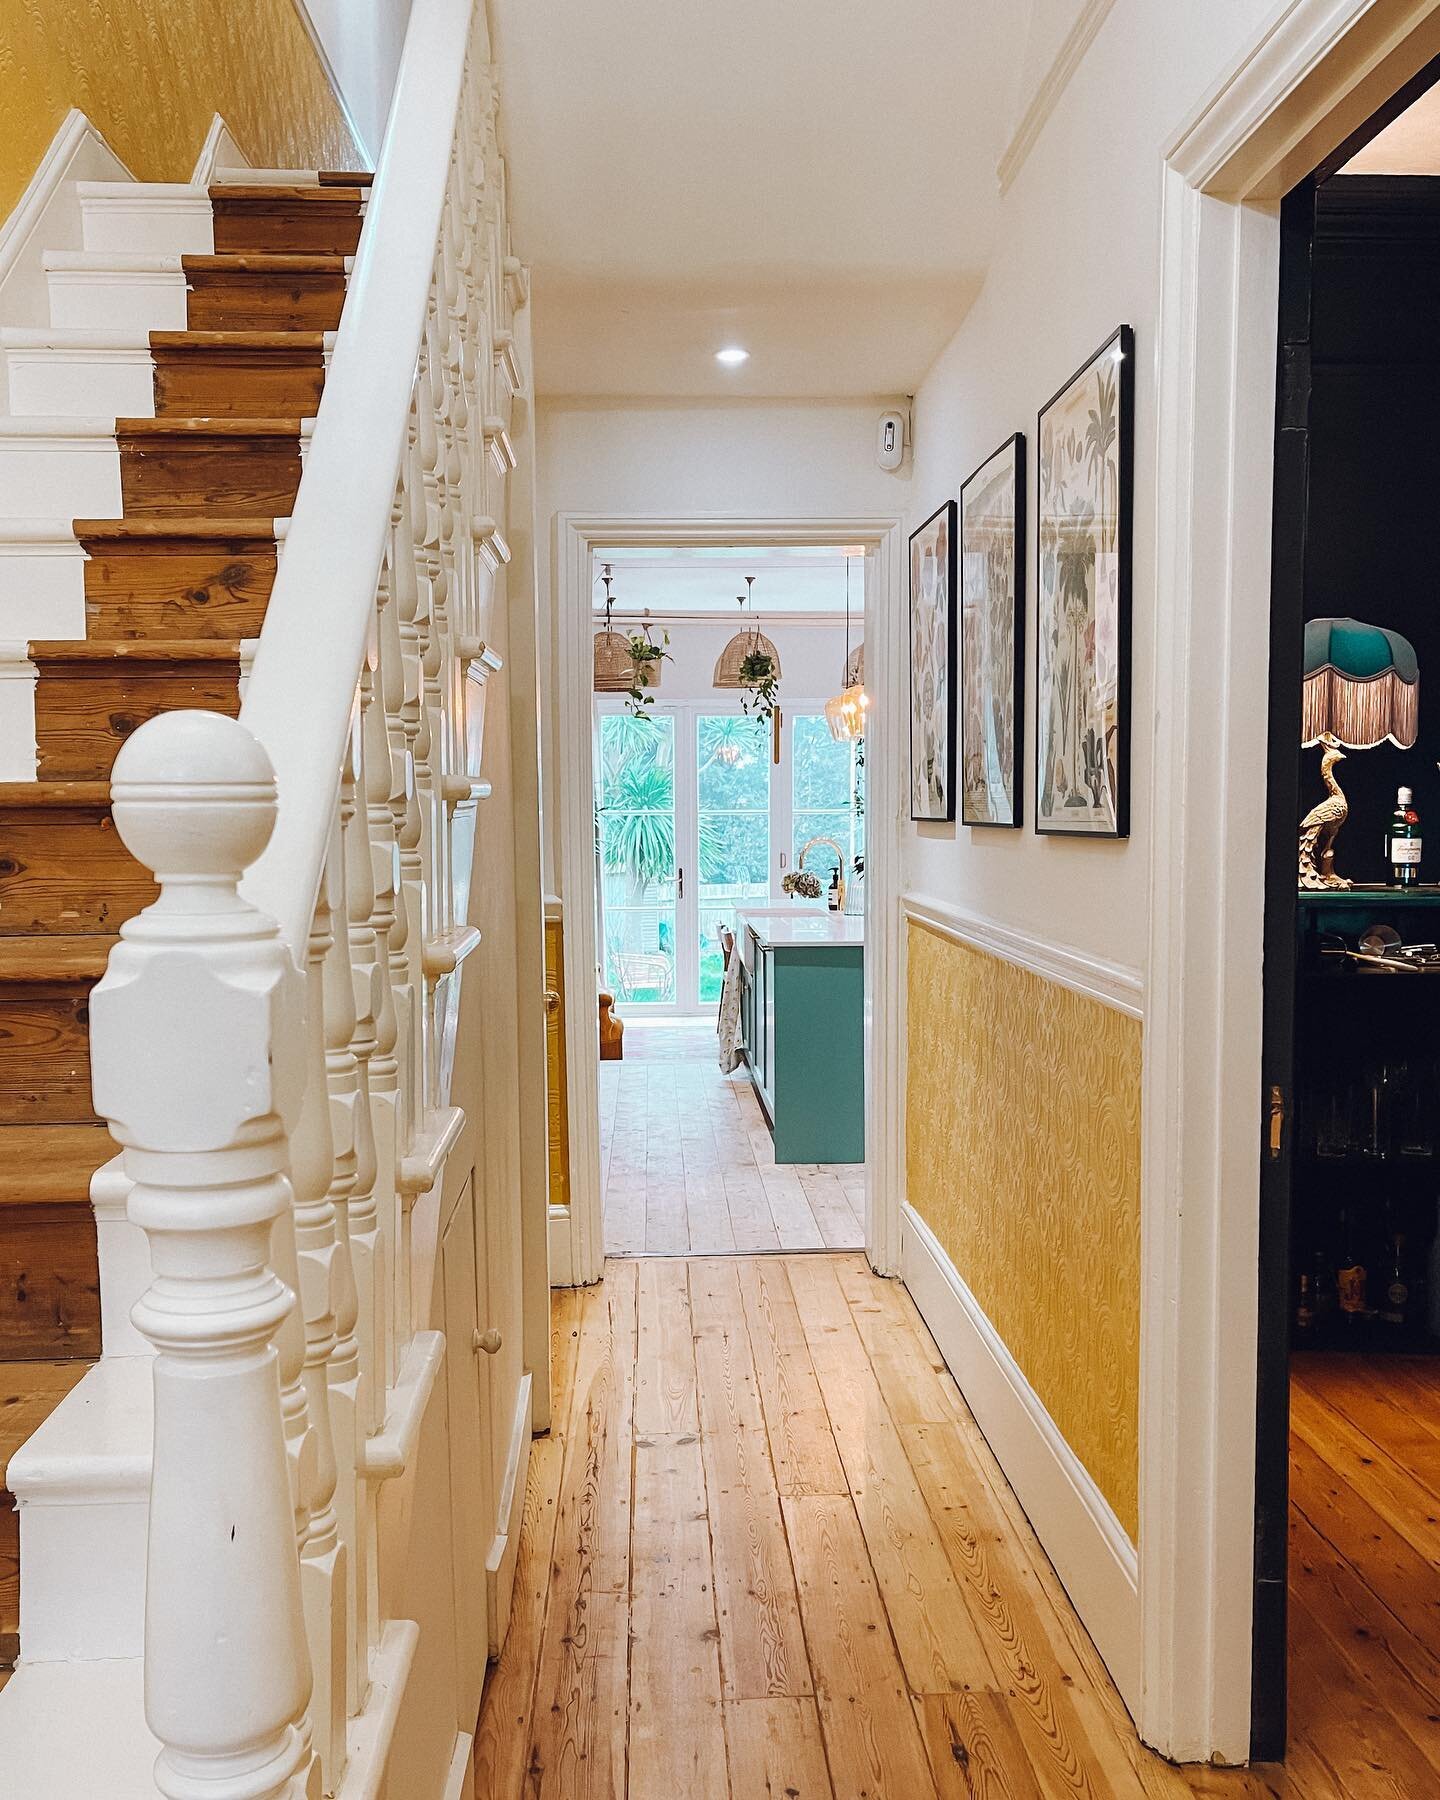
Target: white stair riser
(139,217)
(42,592)
(74,478)
(121,299)
(83,1596)
(17,722)
(79,383)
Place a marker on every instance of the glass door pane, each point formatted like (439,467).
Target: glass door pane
(732,815)
(827,780)
(635,828)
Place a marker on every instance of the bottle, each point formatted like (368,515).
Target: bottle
(1305,1311)
(833,897)
(1350,1280)
(1403,841)
(1322,1294)
(1394,1310)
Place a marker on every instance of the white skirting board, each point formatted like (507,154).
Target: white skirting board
(458,1783)
(1092,1554)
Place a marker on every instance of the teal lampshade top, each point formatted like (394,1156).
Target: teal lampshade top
(1362,685)
(1361,651)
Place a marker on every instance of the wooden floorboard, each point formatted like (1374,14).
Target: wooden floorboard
(782,1562)
(687,1167)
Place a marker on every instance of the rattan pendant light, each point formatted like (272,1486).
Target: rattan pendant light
(614,665)
(749,641)
(845,714)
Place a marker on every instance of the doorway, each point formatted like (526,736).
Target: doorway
(576,1224)
(1346,1627)
(729,898)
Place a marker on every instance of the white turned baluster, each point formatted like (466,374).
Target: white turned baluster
(325,1563)
(342,1081)
(196,1048)
(384,1063)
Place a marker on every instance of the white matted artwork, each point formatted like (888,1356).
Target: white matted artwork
(992,638)
(932,685)
(1082,625)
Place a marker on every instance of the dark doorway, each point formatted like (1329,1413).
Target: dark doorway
(1347,1567)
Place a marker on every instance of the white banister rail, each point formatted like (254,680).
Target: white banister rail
(301,690)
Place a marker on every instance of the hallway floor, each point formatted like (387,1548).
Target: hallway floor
(687,1164)
(766,1551)
(1365,1574)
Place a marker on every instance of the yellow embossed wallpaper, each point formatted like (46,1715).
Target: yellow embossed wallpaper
(1023,1157)
(151,74)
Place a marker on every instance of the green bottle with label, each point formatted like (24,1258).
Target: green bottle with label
(1402,841)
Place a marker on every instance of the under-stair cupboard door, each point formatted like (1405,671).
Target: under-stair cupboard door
(501,1298)
(465,1392)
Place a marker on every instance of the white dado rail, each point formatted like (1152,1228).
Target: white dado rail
(269,1043)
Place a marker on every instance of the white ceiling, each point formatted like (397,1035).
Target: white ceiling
(811,179)
(710,579)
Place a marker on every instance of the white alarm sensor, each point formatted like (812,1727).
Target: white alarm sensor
(890,443)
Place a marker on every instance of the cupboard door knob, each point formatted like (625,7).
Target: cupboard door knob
(552,1002)
(488,1341)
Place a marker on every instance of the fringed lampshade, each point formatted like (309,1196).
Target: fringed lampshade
(1362,685)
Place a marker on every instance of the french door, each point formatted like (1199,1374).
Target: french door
(694,822)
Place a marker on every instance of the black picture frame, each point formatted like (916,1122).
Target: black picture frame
(1013,447)
(1099,763)
(934,809)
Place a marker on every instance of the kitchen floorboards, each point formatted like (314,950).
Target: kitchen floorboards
(686,1163)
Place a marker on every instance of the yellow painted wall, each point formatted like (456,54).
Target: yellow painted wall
(151,74)
(1023,1157)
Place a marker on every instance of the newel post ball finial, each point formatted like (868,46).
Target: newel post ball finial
(197,1047)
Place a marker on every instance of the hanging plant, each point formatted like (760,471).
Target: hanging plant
(759,684)
(646,657)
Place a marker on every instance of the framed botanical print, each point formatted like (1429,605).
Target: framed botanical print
(932,686)
(992,638)
(1082,637)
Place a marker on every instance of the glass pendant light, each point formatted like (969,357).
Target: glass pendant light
(845,714)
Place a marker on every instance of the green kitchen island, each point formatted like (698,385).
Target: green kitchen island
(802,1024)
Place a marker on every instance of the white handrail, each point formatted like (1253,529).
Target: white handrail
(300,698)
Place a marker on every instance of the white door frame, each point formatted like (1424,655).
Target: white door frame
(577,1239)
(1316,73)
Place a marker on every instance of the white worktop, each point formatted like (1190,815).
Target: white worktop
(775,927)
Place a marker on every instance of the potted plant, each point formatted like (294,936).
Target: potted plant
(760,684)
(645,658)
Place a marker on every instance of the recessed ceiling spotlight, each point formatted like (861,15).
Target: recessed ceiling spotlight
(732,356)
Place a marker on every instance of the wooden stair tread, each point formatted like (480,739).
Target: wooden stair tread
(344,178)
(51,1165)
(178,426)
(248,527)
(53,958)
(322,193)
(29,1393)
(42,796)
(307,341)
(133,650)
(265,262)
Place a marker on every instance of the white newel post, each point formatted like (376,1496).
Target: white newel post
(197,1050)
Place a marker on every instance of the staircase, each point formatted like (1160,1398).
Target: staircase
(273,1305)
(175,586)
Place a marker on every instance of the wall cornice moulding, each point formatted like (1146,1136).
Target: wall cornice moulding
(1052,85)
(1111,983)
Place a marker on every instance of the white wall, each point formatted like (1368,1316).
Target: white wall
(1077,253)
(686,459)
(361,40)
(812,655)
